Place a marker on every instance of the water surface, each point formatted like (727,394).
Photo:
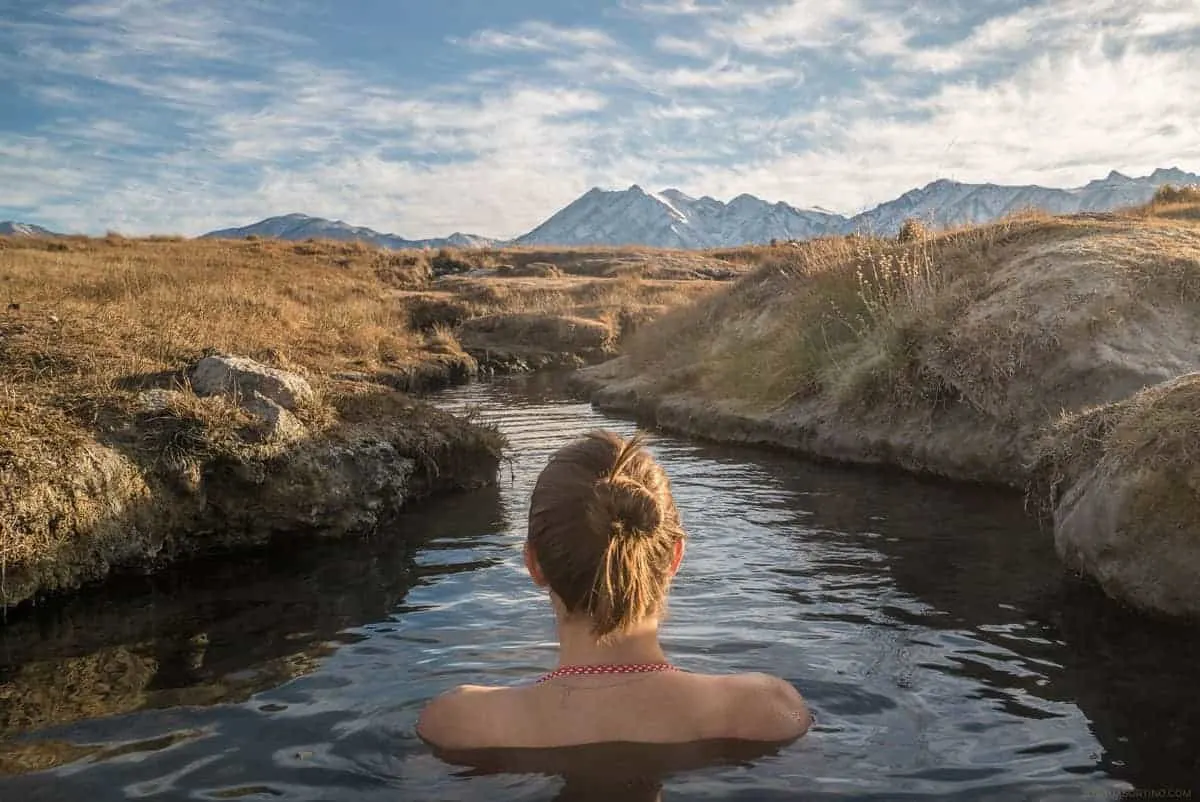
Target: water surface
(930,626)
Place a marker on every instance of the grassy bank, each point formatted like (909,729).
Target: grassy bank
(1030,352)
(98,474)
(972,317)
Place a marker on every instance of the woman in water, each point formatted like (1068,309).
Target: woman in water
(605,540)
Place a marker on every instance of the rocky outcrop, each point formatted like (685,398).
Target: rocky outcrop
(226,468)
(1123,485)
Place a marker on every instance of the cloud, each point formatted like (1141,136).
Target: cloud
(789,26)
(677,112)
(683,47)
(1059,26)
(673,7)
(1062,119)
(726,76)
(538,36)
(163,115)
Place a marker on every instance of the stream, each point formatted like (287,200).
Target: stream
(941,645)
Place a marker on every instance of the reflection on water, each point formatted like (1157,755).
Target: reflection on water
(930,626)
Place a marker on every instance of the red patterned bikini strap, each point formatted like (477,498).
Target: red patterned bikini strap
(629,668)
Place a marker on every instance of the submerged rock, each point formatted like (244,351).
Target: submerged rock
(1124,485)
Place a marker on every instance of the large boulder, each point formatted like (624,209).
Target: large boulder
(226,375)
(1124,482)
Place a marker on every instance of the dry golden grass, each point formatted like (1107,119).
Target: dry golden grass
(847,316)
(1172,202)
(100,319)
(1156,431)
(87,324)
(95,312)
(127,306)
(613,302)
(649,263)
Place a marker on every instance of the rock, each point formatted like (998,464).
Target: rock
(280,425)
(1127,497)
(157,400)
(218,375)
(321,488)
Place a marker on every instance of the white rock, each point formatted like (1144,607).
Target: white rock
(156,400)
(280,424)
(232,375)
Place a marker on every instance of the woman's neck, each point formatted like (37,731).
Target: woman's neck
(579,647)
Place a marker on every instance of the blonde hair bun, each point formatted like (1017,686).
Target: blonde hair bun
(627,506)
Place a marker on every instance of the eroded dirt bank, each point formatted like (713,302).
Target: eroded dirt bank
(241,455)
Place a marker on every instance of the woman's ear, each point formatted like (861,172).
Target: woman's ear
(680,548)
(531,565)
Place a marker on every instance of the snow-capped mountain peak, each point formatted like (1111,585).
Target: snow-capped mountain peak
(13,228)
(671,218)
(948,203)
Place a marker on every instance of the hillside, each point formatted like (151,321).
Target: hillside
(298,227)
(1055,354)
(162,399)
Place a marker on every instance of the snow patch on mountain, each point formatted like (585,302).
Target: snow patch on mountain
(302,227)
(12,228)
(945,203)
(670,218)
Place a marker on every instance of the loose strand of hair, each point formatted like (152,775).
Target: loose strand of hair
(628,451)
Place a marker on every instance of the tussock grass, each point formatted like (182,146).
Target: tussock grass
(1172,202)
(1171,194)
(452,302)
(88,324)
(1156,431)
(100,319)
(874,323)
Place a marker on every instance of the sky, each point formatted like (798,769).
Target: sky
(425,117)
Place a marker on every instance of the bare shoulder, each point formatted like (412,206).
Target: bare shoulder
(763,707)
(460,718)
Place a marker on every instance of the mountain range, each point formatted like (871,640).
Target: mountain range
(302,227)
(10,228)
(673,219)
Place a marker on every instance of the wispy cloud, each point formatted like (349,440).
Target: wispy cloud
(538,36)
(674,7)
(789,26)
(726,76)
(1058,26)
(683,47)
